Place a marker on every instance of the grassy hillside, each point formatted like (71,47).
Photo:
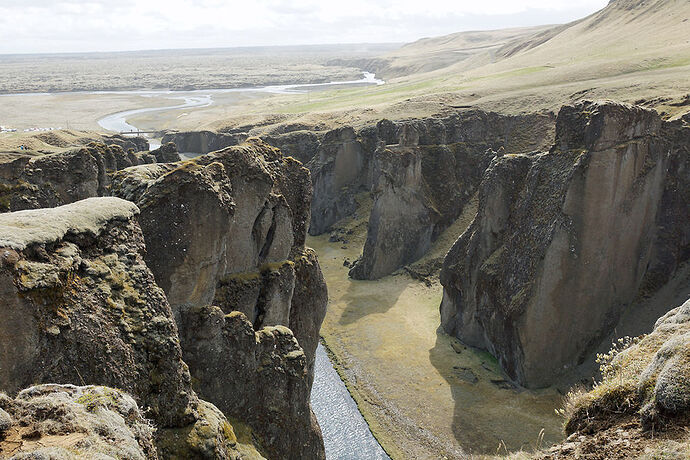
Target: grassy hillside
(632,50)
(429,54)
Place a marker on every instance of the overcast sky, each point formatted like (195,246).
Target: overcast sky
(32,26)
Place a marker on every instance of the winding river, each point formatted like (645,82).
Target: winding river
(345,432)
(203,98)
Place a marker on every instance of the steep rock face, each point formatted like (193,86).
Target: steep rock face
(227,229)
(302,145)
(339,172)
(71,422)
(61,178)
(419,191)
(166,153)
(672,244)
(250,204)
(264,380)
(203,142)
(423,181)
(561,242)
(81,306)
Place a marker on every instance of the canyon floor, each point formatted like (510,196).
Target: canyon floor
(423,394)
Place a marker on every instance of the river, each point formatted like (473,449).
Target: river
(203,98)
(345,432)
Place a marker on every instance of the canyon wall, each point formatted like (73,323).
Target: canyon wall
(223,236)
(81,306)
(32,182)
(227,230)
(563,241)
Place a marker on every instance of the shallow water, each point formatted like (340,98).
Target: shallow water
(345,432)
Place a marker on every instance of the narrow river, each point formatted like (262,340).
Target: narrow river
(345,432)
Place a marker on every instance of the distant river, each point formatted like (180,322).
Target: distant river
(203,98)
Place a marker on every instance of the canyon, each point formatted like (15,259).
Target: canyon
(483,257)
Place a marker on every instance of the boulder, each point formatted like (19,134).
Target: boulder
(75,422)
(561,242)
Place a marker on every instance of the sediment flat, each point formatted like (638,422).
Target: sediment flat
(423,393)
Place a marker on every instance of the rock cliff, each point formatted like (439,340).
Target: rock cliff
(227,230)
(422,181)
(563,241)
(81,306)
(65,177)
(202,142)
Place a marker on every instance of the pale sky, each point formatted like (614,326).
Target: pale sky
(41,26)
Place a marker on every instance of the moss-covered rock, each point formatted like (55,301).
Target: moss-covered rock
(73,422)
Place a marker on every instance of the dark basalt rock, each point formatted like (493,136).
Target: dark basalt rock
(563,241)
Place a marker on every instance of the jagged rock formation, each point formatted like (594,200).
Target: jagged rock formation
(642,404)
(81,306)
(263,380)
(564,240)
(422,182)
(136,143)
(62,178)
(70,422)
(419,191)
(300,144)
(227,229)
(166,153)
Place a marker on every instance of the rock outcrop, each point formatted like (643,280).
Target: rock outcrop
(339,171)
(640,408)
(563,241)
(166,153)
(227,230)
(202,142)
(61,178)
(81,306)
(263,378)
(71,422)
(418,192)
(136,143)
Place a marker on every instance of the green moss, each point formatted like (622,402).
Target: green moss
(92,400)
